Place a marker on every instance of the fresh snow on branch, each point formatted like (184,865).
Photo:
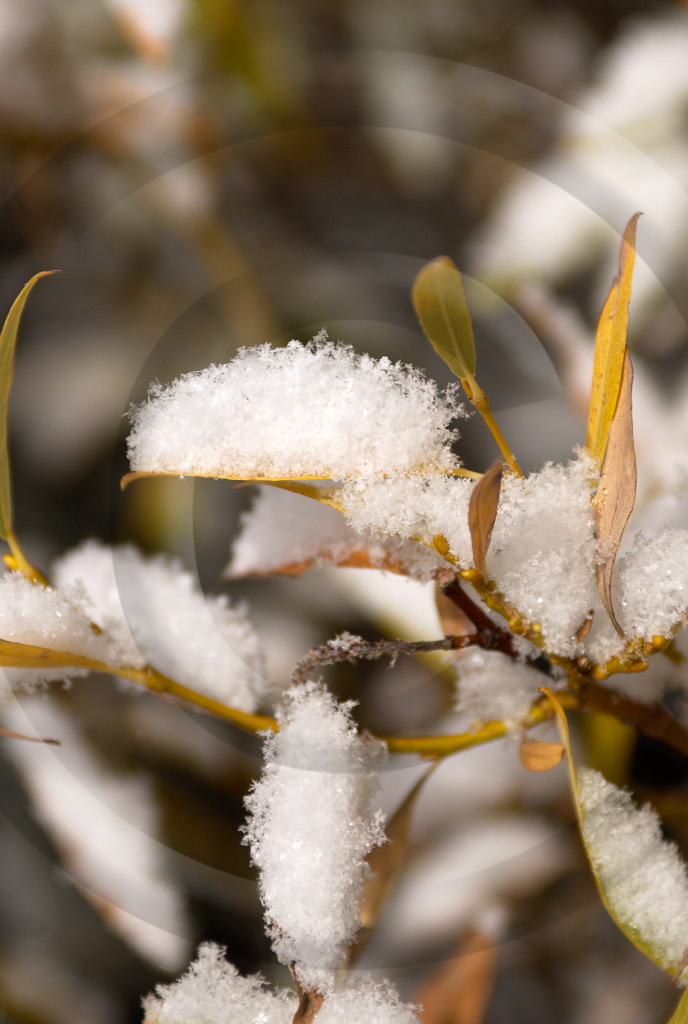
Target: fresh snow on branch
(310,828)
(213,992)
(315,410)
(36,615)
(284,531)
(152,612)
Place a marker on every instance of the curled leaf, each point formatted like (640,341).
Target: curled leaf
(482,512)
(615,496)
(539,756)
(8,340)
(584,627)
(610,345)
(441,308)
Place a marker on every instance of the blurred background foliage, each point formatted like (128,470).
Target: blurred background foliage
(208,174)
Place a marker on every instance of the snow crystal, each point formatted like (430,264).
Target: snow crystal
(643,877)
(310,827)
(213,992)
(301,411)
(542,555)
(417,508)
(653,579)
(283,529)
(362,999)
(492,686)
(152,612)
(37,615)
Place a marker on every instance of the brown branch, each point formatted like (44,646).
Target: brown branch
(651,720)
(310,1003)
(354,648)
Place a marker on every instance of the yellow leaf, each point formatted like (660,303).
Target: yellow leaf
(440,306)
(538,756)
(142,474)
(610,345)
(680,1014)
(482,512)
(619,910)
(16,655)
(615,496)
(8,340)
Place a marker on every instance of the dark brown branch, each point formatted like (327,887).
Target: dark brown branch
(502,639)
(354,648)
(649,719)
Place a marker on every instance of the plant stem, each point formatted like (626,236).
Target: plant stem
(477,397)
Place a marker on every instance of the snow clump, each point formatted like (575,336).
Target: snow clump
(643,877)
(310,827)
(315,410)
(213,992)
(152,612)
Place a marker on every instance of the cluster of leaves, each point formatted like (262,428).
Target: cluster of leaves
(441,307)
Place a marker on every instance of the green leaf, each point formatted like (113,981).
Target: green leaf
(8,339)
(440,306)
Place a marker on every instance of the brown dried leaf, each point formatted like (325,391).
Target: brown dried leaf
(616,493)
(30,739)
(482,512)
(458,993)
(585,626)
(358,558)
(538,756)
(385,863)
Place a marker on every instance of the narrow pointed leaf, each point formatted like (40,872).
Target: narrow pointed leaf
(610,345)
(17,655)
(386,863)
(440,306)
(482,512)
(539,756)
(680,1014)
(143,474)
(640,877)
(615,496)
(8,340)
(459,991)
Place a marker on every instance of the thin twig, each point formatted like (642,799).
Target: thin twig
(353,648)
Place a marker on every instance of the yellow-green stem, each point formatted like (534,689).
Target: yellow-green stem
(441,746)
(22,562)
(477,397)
